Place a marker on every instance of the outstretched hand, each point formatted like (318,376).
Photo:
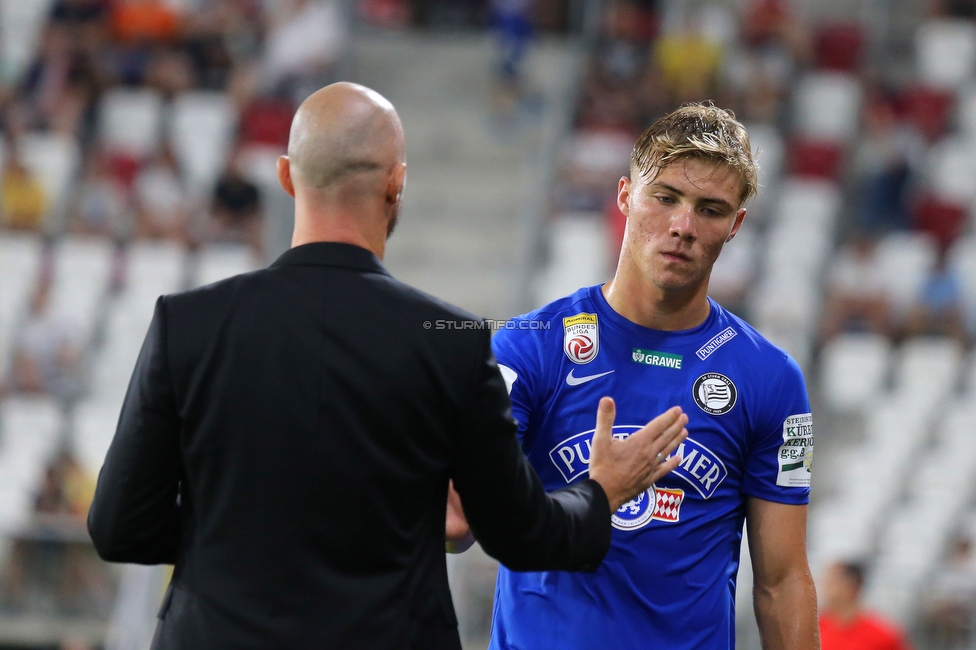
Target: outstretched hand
(625,468)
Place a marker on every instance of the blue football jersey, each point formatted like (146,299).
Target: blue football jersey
(669,578)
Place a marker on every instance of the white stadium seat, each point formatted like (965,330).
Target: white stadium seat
(952,168)
(54,159)
(945,52)
(21,22)
(905,259)
(201,132)
(928,370)
(853,370)
(82,270)
(220,261)
(811,201)
(130,120)
(579,256)
(827,105)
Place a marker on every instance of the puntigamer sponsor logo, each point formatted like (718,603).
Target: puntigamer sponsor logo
(715,343)
(653,358)
(699,466)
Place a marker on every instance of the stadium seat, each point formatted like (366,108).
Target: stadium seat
(945,52)
(769,149)
(82,269)
(927,370)
(267,122)
(130,121)
(810,158)
(827,106)
(202,129)
(19,259)
(55,160)
(951,170)
(905,259)
(220,261)
(966,112)
(808,200)
(839,46)
(941,219)
(30,431)
(853,370)
(21,23)
(578,257)
(927,108)
(962,258)
(94,427)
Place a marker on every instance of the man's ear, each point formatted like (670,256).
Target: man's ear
(736,224)
(395,183)
(284,176)
(623,195)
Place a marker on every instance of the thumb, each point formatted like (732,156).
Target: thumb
(605,414)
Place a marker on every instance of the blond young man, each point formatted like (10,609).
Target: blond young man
(650,338)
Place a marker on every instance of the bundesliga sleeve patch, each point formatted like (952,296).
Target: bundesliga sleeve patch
(795,455)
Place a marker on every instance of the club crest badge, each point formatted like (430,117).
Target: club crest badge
(581,341)
(714,393)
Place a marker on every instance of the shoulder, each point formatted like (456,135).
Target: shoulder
(759,353)
(540,327)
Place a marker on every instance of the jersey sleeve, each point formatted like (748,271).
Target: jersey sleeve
(515,351)
(778,465)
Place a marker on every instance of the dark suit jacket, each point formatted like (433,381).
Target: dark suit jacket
(286,442)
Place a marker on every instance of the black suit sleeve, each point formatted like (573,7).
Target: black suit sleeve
(134,516)
(509,512)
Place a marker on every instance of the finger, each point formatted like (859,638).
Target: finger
(664,469)
(674,443)
(605,414)
(668,435)
(658,425)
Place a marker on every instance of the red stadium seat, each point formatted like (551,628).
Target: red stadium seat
(929,109)
(267,122)
(839,46)
(815,158)
(942,219)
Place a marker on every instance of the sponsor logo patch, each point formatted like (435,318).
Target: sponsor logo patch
(635,513)
(715,343)
(714,393)
(653,358)
(795,456)
(581,341)
(700,467)
(667,503)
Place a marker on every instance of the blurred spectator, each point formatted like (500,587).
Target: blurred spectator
(886,154)
(938,309)
(169,70)
(855,295)
(948,613)
(303,46)
(160,199)
(23,202)
(100,206)
(689,61)
(236,207)
(590,165)
(844,625)
(47,356)
(144,22)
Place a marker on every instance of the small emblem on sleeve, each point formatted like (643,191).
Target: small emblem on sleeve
(714,393)
(509,376)
(581,341)
(795,456)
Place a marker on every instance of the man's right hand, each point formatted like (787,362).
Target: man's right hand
(625,468)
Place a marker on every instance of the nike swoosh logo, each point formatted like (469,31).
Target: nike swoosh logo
(576,381)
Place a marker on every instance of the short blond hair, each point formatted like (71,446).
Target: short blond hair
(697,130)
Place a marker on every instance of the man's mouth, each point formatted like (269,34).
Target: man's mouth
(675,256)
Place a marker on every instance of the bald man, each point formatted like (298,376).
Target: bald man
(288,435)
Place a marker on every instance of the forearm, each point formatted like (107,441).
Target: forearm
(787,613)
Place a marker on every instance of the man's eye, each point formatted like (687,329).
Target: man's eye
(666,199)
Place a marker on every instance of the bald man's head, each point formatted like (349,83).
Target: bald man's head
(343,132)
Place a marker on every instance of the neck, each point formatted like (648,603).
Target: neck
(632,295)
(361,225)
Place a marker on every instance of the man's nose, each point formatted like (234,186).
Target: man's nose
(683,223)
